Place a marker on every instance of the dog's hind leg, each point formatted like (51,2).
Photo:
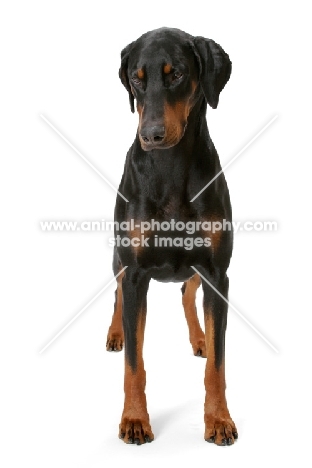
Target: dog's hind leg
(196,334)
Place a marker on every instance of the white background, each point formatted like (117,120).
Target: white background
(62,408)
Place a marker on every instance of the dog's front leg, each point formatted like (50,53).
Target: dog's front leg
(219,427)
(134,427)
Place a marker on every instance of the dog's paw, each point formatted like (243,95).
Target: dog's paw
(135,431)
(114,341)
(199,348)
(220,431)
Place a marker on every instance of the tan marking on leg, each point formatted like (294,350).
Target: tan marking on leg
(196,335)
(219,426)
(135,426)
(115,336)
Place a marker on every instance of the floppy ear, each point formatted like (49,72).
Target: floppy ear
(123,73)
(215,68)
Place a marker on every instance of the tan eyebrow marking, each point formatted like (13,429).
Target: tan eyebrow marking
(140,73)
(167,68)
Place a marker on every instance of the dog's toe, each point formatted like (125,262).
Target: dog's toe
(220,431)
(135,431)
(199,348)
(114,342)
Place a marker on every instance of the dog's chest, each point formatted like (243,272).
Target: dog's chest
(172,208)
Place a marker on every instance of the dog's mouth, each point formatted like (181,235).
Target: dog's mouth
(159,146)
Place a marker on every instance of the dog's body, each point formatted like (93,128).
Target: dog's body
(172,76)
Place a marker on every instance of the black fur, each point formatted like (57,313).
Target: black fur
(160,182)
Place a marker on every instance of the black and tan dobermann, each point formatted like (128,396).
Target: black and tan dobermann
(172,76)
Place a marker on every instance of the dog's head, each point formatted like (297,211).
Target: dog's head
(166,71)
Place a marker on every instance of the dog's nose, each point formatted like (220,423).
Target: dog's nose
(153,135)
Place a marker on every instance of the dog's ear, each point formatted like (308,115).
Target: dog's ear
(214,67)
(123,73)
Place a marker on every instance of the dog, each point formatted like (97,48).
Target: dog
(172,76)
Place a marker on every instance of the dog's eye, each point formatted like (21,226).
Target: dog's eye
(136,81)
(177,76)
